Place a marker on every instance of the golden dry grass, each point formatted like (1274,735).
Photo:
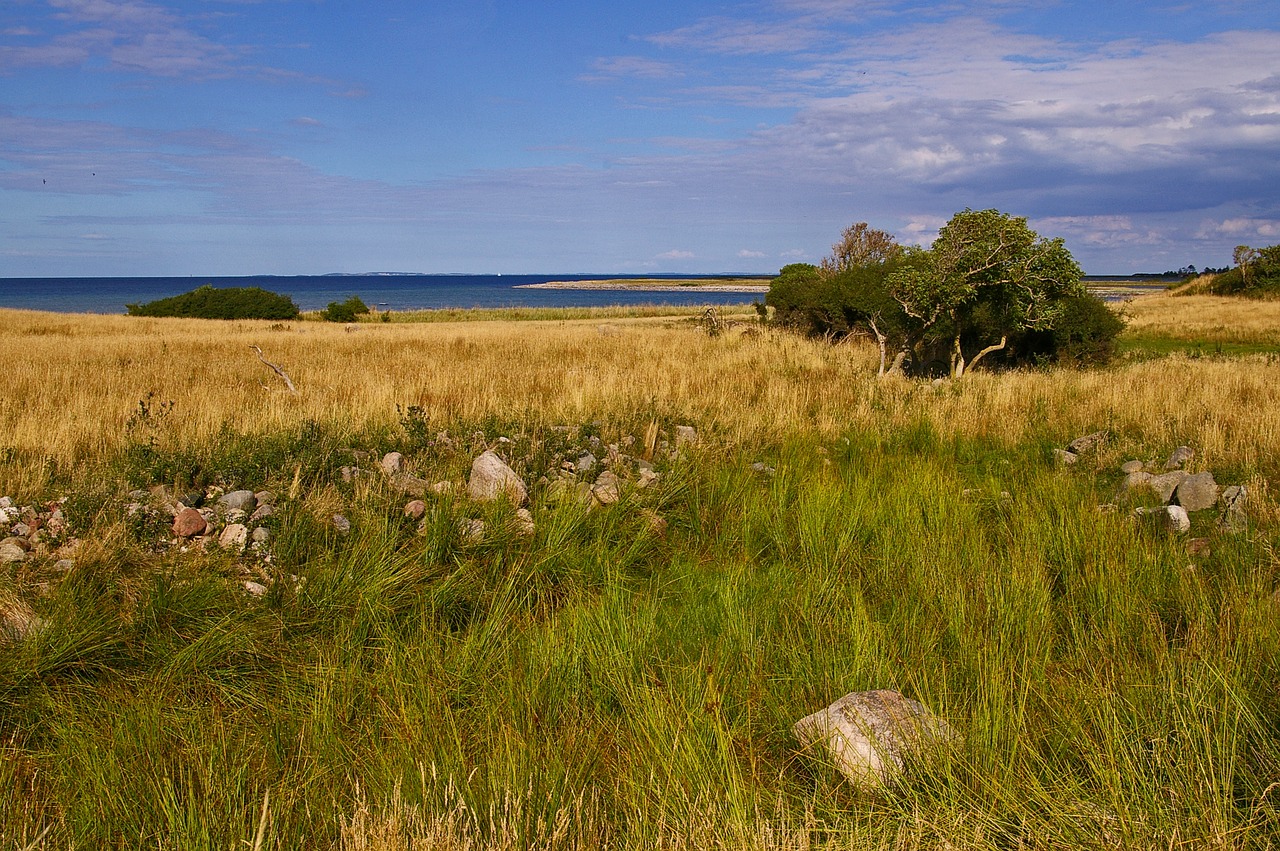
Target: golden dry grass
(75,383)
(1228,320)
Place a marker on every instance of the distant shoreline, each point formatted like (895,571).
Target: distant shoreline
(712,285)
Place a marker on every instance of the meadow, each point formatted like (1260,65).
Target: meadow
(628,675)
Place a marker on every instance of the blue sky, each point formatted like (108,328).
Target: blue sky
(157,137)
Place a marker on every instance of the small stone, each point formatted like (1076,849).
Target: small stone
(262,512)
(763,469)
(415,509)
(646,478)
(261,535)
(254,589)
(342,524)
(524,522)
(686,435)
(18,621)
(64,565)
(1065,457)
(392,463)
(1081,445)
(265,498)
(607,489)
(410,484)
(442,489)
(1128,467)
(1172,518)
(585,463)
(235,537)
(189,523)
(472,531)
(655,522)
(1179,458)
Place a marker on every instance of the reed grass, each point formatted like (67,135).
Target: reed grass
(605,683)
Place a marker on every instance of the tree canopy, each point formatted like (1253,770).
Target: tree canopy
(206,302)
(988,284)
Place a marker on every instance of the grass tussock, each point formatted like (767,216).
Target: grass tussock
(612,682)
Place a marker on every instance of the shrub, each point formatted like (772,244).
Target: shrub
(344,311)
(230,303)
(1084,334)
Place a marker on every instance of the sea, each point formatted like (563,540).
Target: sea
(383,291)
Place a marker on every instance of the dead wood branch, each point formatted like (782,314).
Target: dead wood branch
(277,370)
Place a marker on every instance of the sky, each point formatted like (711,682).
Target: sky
(243,137)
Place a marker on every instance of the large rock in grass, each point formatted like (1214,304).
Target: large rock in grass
(242,500)
(1088,442)
(871,735)
(1233,515)
(491,479)
(1166,483)
(188,523)
(1198,492)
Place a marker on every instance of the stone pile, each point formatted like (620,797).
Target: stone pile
(28,531)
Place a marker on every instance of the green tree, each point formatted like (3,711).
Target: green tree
(987,277)
(206,302)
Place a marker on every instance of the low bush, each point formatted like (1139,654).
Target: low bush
(206,302)
(1084,334)
(345,311)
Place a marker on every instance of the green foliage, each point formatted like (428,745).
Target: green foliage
(345,311)
(987,282)
(604,685)
(1084,334)
(206,302)
(1257,273)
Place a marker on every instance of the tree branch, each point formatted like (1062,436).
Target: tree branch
(277,370)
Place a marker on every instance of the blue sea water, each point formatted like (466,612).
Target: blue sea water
(314,292)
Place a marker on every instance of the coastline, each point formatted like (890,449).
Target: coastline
(648,285)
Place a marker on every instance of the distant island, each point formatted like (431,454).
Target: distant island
(754,284)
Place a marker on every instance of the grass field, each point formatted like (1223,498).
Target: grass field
(627,676)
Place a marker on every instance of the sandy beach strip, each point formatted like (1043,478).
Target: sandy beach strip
(651,285)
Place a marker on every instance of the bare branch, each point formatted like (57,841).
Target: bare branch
(277,370)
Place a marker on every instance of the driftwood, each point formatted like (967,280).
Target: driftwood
(277,370)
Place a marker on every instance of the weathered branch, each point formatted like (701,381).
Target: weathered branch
(277,370)
(1004,340)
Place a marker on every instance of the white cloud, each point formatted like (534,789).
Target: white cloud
(675,254)
(747,254)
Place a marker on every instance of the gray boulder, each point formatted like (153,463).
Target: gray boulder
(1179,458)
(607,489)
(491,479)
(11,552)
(1134,466)
(1170,518)
(1088,442)
(1064,457)
(686,434)
(870,735)
(242,500)
(1233,517)
(1198,492)
(1166,483)
(585,463)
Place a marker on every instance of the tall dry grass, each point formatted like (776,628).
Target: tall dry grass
(79,387)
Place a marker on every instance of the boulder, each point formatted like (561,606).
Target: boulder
(646,478)
(870,735)
(1065,457)
(1179,458)
(1134,466)
(491,479)
(188,523)
(1166,484)
(1133,482)
(254,589)
(1233,516)
(392,463)
(263,511)
(471,530)
(342,524)
(1171,518)
(1198,492)
(261,536)
(586,461)
(415,509)
(410,484)
(1088,442)
(17,621)
(442,488)
(11,553)
(241,500)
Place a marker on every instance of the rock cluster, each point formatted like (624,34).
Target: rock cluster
(28,531)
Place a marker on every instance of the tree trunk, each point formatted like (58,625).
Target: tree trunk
(988,350)
(883,342)
(957,358)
